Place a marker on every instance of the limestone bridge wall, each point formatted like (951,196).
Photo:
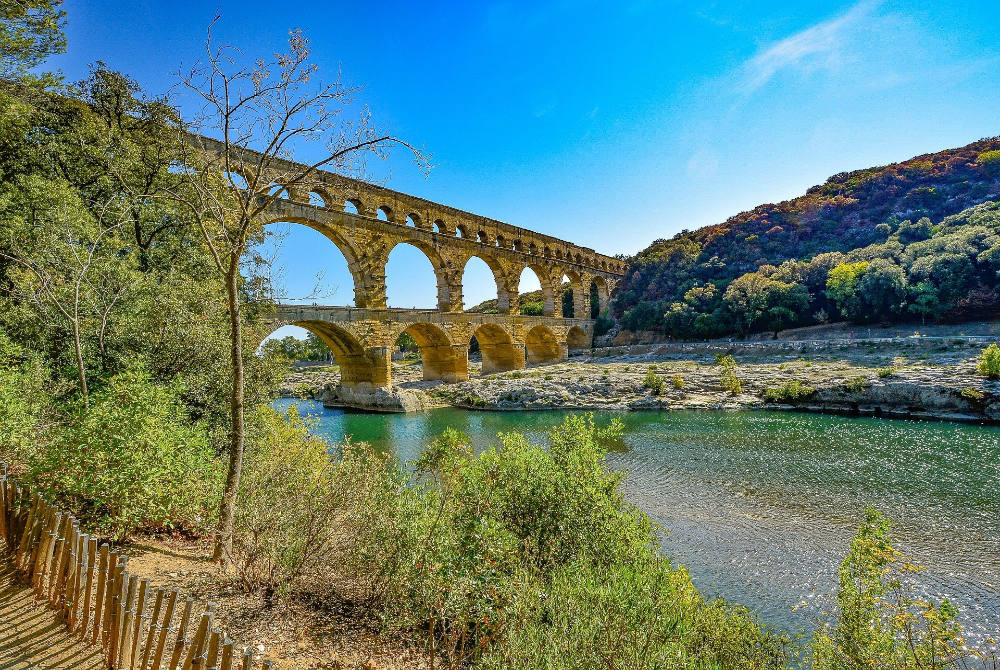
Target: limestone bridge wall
(362,340)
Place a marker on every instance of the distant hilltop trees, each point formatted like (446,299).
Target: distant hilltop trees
(918,240)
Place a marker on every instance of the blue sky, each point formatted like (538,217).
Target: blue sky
(607,123)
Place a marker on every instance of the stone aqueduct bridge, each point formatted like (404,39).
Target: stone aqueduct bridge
(366,222)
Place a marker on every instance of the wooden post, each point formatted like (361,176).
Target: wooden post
(154,618)
(68,592)
(4,505)
(175,658)
(65,566)
(58,559)
(227,655)
(247,662)
(127,618)
(48,556)
(104,571)
(164,627)
(88,587)
(193,659)
(35,545)
(42,540)
(212,658)
(19,559)
(140,608)
(112,615)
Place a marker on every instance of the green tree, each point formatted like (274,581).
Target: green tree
(842,288)
(882,289)
(30,32)
(62,259)
(758,302)
(925,301)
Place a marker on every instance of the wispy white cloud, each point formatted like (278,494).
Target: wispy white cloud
(818,46)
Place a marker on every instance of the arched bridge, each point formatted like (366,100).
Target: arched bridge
(365,222)
(362,341)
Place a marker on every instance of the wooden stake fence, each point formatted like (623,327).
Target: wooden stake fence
(137,626)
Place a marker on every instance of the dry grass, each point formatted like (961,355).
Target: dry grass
(302,632)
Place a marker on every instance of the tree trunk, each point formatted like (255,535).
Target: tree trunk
(81,373)
(224,542)
(78,346)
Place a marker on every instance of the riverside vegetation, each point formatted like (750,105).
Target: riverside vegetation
(126,359)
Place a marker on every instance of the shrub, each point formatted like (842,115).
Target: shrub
(653,381)
(790,391)
(972,394)
(879,624)
(677,381)
(25,403)
(638,614)
(730,382)
(303,518)
(989,362)
(602,325)
(856,384)
(130,461)
(885,372)
(725,360)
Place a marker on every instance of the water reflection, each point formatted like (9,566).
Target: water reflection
(761,506)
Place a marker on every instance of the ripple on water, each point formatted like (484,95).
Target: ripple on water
(761,506)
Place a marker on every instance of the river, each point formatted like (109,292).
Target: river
(760,506)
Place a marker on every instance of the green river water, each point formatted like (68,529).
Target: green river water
(760,506)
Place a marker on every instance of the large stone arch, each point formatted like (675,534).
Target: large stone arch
(363,277)
(360,370)
(506,295)
(499,350)
(549,292)
(441,270)
(541,345)
(440,357)
(581,295)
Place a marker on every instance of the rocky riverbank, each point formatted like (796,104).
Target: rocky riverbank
(925,378)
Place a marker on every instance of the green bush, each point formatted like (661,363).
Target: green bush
(972,394)
(25,403)
(637,614)
(653,381)
(302,515)
(856,384)
(728,381)
(989,362)
(677,381)
(885,372)
(602,325)
(725,361)
(130,461)
(790,391)
(879,623)
(492,537)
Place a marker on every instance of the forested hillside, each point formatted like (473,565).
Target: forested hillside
(913,240)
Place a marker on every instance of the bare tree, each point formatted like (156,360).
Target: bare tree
(256,114)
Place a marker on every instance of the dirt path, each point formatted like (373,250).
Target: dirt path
(31,638)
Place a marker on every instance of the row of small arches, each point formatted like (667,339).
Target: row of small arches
(318,198)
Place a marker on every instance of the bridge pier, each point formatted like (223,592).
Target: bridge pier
(447,362)
(362,341)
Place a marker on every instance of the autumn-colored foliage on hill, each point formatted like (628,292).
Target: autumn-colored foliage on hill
(725,278)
